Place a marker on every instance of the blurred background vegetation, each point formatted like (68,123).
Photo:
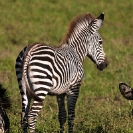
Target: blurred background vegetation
(100,107)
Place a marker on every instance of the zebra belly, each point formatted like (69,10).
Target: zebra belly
(47,85)
(59,90)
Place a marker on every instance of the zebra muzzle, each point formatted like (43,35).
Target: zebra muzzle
(103,64)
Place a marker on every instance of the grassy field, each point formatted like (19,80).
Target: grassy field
(100,107)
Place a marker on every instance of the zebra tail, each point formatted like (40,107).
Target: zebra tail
(25,78)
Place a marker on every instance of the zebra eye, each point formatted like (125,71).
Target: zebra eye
(100,42)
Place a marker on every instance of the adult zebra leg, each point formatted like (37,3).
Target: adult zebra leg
(62,111)
(71,102)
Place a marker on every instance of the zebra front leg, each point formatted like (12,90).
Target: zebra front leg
(71,102)
(62,111)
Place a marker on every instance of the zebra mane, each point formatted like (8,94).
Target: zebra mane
(74,22)
(4,98)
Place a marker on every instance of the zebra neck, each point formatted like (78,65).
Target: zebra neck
(77,38)
(81,51)
(80,48)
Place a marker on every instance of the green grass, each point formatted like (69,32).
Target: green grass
(100,107)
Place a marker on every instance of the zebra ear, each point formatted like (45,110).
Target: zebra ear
(100,20)
(89,17)
(96,23)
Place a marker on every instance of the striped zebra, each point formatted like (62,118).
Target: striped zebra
(43,70)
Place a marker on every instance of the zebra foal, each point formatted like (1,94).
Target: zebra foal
(43,70)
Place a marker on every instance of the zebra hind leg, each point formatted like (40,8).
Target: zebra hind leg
(25,110)
(25,106)
(33,114)
(62,111)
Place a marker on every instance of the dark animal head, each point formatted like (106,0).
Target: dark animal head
(126,91)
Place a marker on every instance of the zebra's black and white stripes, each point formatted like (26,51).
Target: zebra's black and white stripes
(43,70)
(126,91)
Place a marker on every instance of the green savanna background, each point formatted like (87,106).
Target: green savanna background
(100,107)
